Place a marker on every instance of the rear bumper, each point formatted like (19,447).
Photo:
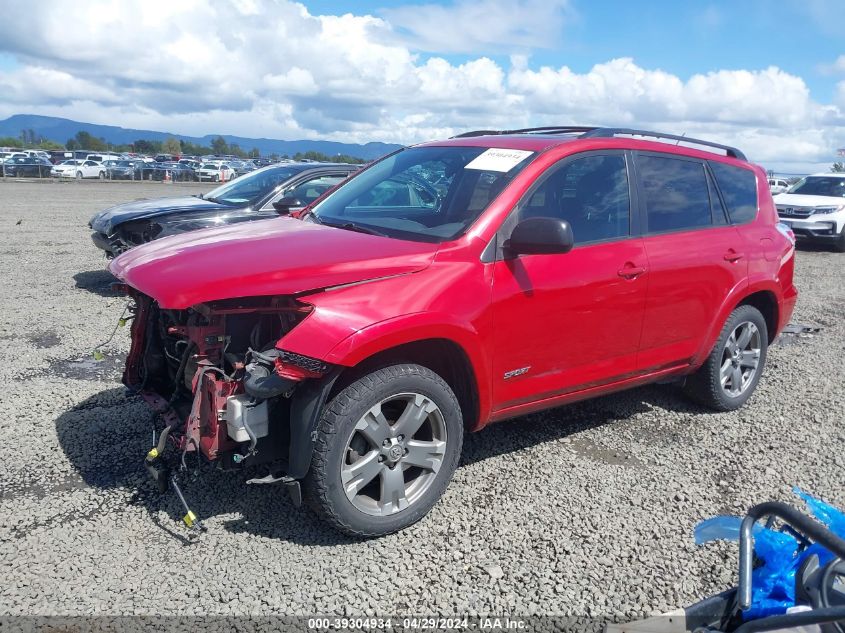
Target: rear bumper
(787,307)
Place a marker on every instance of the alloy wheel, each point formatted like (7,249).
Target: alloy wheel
(740,359)
(394,454)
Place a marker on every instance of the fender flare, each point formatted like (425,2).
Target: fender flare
(311,396)
(734,298)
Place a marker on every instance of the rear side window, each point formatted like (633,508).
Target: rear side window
(675,193)
(739,189)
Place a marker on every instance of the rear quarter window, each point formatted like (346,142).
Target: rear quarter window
(739,190)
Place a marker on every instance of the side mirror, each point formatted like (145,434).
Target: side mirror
(537,236)
(286,204)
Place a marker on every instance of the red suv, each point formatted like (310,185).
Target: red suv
(447,286)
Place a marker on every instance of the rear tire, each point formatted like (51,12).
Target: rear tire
(732,371)
(79,175)
(386,448)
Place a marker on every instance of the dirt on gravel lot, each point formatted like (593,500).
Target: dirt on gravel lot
(585,510)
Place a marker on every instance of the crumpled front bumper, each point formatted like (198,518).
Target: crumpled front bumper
(113,246)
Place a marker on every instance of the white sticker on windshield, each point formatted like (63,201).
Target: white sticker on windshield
(496,159)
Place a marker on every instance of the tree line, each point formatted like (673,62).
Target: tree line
(170,145)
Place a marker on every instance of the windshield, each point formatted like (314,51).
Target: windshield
(430,194)
(820,186)
(252,187)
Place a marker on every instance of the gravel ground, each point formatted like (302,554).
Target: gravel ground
(586,510)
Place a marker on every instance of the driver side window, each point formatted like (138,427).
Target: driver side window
(308,191)
(591,193)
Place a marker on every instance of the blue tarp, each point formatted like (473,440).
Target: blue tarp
(773,583)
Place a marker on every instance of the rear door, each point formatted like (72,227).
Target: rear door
(565,322)
(695,256)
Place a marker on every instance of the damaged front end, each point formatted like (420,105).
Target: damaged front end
(223,389)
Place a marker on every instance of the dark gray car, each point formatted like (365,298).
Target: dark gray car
(250,197)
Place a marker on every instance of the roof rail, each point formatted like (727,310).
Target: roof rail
(550,129)
(608,132)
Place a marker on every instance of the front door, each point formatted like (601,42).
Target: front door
(569,321)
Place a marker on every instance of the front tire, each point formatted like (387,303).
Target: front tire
(732,371)
(839,245)
(79,175)
(386,448)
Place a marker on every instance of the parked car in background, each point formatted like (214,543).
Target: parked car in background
(778,185)
(251,197)
(179,172)
(123,169)
(79,169)
(37,153)
(97,157)
(349,348)
(189,162)
(152,170)
(215,172)
(814,208)
(29,167)
(241,167)
(57,156)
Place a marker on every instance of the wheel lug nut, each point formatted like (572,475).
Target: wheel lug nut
(400,438)
(386,443)
(381,458)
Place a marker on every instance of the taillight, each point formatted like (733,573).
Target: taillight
(786,231)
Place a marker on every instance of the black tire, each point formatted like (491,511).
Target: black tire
(705,386)
(102,175)
(79,175)
(839,245)
(336,433)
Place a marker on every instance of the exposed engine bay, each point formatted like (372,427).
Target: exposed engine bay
(222,388)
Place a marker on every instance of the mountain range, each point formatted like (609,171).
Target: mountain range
(60,130)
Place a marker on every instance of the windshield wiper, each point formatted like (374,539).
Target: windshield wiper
(358,228)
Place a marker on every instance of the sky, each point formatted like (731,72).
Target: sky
(768,77)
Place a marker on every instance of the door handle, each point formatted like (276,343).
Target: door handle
(629,271)
(732,256)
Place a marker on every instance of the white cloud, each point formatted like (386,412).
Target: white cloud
(270,68)
(471,26)
(835,68)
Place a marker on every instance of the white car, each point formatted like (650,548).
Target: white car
(215,173)
(814,208)
(80,169)
(778,185)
